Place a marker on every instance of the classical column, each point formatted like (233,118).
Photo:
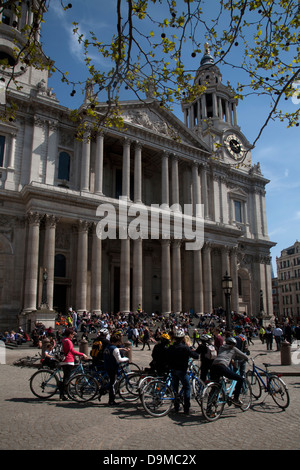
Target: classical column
(207,280)
(224,215)
(234,276)
(203,106)
(225,260)
(32,261)
(234,114)
(99,163)
(10,170)
(138,173)
(49,255)
(165,276)
(165,180)
(176,277)
(198,282)
(125,276)
(257,212)
(197,210)
(175,184)
(85,163)
(126,170)
(12,149)
(264,213)
(217,198)
(137,273)
(96,271)
(204,191)
(35,157)
(215,104)
(82,261)
(51,166)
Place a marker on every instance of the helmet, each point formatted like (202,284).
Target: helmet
(231,340)
(165,336)
(205,338)
(179,333)
(103,331)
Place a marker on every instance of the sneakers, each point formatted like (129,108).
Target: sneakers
(237,402)
(64,398)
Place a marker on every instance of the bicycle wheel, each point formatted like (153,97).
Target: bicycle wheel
(82,388)
(213,401)
(198,386)
(157,398)
(246,395)
(255,384)
(132,367)
(279,392)
(44,383)
(129,387)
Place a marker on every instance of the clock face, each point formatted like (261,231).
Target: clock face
(234,146)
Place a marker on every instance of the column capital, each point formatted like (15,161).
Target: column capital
(33,218)
(207,246)
(50,220)
(83,225)
(138,145)
(127,141)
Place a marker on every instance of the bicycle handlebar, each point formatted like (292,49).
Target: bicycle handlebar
(259,354)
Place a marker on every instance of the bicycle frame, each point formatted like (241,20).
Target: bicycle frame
(256,371)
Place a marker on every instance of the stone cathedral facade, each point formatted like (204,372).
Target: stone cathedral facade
(51,186)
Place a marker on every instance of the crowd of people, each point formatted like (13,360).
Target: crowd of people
(144,329)
(172,339)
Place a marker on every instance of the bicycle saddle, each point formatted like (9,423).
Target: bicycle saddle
(266,364)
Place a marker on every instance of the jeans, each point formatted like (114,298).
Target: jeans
(67,371)
(219,370)
(177,377)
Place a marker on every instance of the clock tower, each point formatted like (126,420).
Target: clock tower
(212,115)
(23,68)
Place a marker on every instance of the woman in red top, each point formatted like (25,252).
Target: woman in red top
(69,361)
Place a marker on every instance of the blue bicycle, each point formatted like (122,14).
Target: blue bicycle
(47,382)
(217,394)
(158,395)
(273,384)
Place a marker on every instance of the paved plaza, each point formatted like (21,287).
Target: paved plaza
(28,423)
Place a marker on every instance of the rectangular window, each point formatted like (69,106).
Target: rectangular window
(2,147)
(238,211)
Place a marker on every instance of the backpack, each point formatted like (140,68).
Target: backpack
(241,343)
(211,352)
(96,348)
(59,352)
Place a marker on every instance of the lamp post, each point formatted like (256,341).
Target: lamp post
(227,288)
(44,290)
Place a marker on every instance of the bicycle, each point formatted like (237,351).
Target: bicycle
(158,396)
(273,384)
(125,386)
(28,361)
(45,383)
(217,393)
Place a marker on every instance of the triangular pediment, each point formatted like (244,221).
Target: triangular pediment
(238,193)
(150,117)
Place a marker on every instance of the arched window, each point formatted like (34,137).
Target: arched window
(60,266)
(64,166)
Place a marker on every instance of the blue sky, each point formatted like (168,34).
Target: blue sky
(277,151)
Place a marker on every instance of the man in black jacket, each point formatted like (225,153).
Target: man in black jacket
(178,358)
